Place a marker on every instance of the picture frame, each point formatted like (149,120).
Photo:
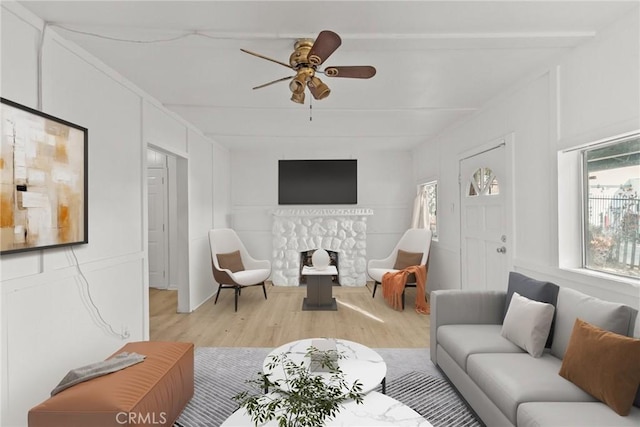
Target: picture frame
(43,180)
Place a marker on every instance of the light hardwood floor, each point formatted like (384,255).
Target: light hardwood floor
(280,319)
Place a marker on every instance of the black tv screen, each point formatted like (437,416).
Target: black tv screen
(318,182)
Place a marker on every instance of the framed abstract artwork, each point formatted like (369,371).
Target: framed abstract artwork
(43,180)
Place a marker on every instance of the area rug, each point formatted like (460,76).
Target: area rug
(221,372)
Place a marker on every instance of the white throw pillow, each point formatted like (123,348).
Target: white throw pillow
(527,324)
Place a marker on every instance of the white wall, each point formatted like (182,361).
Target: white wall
(221,187)
(385,184)
(589,93)
(201,218)
(164,133)
(48,327)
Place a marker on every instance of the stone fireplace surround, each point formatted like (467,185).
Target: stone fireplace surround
(340,230)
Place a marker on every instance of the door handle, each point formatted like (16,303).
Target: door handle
(501,250)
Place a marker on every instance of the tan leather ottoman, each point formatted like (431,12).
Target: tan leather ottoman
(151,393)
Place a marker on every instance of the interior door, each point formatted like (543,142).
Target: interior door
(485,244)
(158,233)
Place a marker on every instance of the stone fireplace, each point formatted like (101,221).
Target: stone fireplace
(339,230)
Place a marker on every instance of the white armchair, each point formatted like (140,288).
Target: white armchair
(238,269)
(414,240)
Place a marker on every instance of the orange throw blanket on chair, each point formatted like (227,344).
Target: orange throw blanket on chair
(393,285)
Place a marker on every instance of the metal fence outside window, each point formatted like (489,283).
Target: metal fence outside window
(614,234)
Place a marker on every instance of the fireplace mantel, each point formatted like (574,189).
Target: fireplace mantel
(323,212)
(342,230)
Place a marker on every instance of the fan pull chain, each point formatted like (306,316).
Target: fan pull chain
(310,110)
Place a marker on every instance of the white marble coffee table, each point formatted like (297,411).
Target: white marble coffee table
(376,409)
(360,362)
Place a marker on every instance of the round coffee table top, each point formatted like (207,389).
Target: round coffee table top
(376,409)
(360,363)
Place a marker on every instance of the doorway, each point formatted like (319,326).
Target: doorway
(485,217)
(158,224)
(168,245)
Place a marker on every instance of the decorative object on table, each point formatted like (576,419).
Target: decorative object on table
(303,398)
(325,357)
(320,259)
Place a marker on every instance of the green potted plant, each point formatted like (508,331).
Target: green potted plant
(303,398)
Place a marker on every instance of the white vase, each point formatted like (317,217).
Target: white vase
(320,259)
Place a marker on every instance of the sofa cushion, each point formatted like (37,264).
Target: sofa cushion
(460,341)
(251,277)
(527,324)
(573,414)
(533,289)
(604,364)
(509,379)
(572,304)
(377,273)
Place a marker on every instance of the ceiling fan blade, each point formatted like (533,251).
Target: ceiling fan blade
(326,43)
(354,72)
(275,81)
(268,59)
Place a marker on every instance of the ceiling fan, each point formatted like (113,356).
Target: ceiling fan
(307,56)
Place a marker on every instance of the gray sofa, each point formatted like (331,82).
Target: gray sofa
(503,384)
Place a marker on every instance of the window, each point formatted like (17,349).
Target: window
(483,182)
(611,214)
(426,208)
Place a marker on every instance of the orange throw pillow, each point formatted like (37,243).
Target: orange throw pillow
(604,364)
(231,261)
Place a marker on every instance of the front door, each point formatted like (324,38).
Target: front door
(485,241)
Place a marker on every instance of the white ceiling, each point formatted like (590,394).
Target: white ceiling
(437,61)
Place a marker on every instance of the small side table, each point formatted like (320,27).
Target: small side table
(319,288)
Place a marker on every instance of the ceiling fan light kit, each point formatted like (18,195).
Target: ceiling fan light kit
(318,88)
(307,56)
(298,98)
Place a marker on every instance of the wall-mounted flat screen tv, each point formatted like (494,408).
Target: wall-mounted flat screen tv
(43,180)
(318,182)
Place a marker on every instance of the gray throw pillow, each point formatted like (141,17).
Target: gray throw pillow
(536,290)
(607,315)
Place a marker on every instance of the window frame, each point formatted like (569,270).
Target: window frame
(434,233)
